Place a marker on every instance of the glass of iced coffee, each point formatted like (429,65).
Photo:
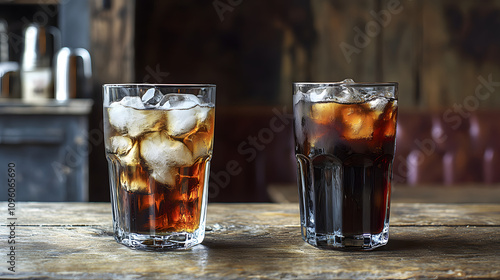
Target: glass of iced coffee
(158,141)
(344,144)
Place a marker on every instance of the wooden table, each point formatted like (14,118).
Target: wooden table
(258,241)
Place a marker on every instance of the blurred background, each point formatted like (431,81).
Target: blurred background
(444,54)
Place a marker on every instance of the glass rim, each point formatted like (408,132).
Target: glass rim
(158,85)
(360,84)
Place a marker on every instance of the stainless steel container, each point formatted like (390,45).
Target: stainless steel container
(40,45)
(9,80)
(73,74)
(4,41)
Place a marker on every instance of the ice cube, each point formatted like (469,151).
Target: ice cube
(389,119)
(378,104)
(320,94)
(342,92)
(350,94)
(133,180)
(132,157)
(152,97)
(126,150)
(184,113)
(132,102)
(200,144)
(166,176)
(181,122)
(127,155)
(120,145)
(179,101)
(202,113)
(161,153)
(132,120)
(325,113)
(358,121)
(347,81)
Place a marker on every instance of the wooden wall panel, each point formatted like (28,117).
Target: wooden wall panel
(460,43)
(340,47)
(400,47)
(340,51)
(364,40)
(112,36)
(437,50)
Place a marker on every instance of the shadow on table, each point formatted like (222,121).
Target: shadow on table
(475,242)
(396,244)
(419,244)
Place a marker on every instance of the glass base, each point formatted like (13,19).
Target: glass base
(338,241)
(170,241)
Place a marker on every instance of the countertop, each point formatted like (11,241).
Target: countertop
(256,241)
(47,107)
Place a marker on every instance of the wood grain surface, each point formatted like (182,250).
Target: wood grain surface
(467,193)
(257,241)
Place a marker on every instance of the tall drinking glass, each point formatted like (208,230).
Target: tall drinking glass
(344,144)
(158,141)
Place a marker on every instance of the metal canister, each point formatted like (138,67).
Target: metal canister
(40,44)
(73,74)
(4,41)
(9,80)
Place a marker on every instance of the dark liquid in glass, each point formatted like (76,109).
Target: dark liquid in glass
(345,154)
